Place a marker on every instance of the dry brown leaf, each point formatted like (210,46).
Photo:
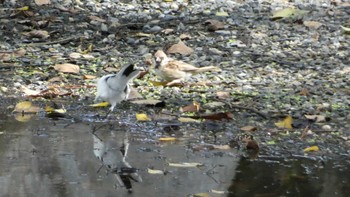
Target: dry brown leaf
(312,24)
(185,37)
(42,2)
(214,25)
(167,31)
(223,95)
(37,34)
(96,18)
(6,56)
(180,48)
(248,128)
(194,107)
(89,77)
(67,68)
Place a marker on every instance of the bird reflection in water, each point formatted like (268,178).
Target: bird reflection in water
(112,151)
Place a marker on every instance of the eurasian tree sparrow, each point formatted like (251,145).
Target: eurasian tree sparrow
(114,88)
(175,71)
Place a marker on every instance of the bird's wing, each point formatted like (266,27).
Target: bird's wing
(182,66)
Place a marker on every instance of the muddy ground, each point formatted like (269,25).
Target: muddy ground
(270,69)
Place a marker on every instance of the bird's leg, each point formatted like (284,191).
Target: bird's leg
(108,112)
(174,82)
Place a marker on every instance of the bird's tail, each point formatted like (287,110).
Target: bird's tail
(206,69)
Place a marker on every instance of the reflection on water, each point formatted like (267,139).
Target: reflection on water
(46,158)
(296,176)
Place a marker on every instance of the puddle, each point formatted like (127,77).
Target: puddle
(48,158)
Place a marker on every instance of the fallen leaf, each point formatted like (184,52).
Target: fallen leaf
(248,128)
(217,191)
(284,13)
(75,55)
(26,107)
(142,117)
(185,165)
(6,56)
(185,37)
(24,8)
(103,104)
(194,107)
(346,29)
(311,149)
(167,31)
(89,77)
(316,118)
(37,34)
(221,13)
(223,95)
(214,25)
(29,92)
(67,68)
(49,109)
(312,24)
(222,147)
(23,117)
(152,171)
(42,2)
(96,18)
(167,139)
(183,119)
(180,48)
(286,123)
(201,195)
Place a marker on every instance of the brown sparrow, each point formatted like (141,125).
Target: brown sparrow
(175,71)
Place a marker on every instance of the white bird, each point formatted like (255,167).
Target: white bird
(114,88)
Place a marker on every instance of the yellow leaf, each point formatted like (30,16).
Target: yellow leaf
(346,29)
(26,107)
(23,117)
(311,148)
(103,104)
(201,195)
(49,109)
(182,119)
(24,8)
(142,117)
(283,13)
(152,171)
(167,139)
(221,13)
(185,164)
(286,123)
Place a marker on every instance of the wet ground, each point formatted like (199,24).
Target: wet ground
(45,157)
